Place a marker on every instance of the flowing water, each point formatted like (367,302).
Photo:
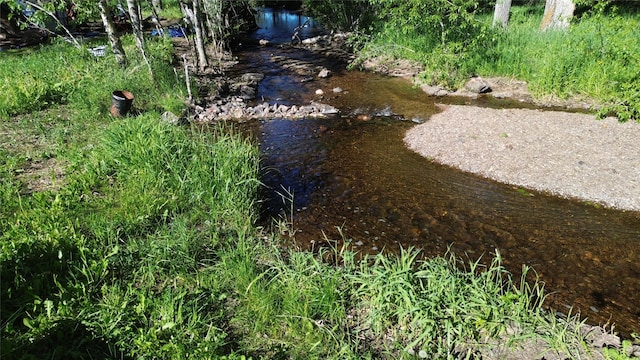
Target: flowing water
(352,177)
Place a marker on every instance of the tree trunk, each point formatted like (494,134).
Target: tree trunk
(193,16)
(157,5)
(557,14)
(501,13)
(156,19)
(215,20)
(133,9)
(134,16)
(110,29)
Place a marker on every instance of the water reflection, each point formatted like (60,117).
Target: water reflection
(278,26)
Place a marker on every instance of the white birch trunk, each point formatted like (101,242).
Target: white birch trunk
(157,5)
(136,25)
(501,13)
(193,16)
(133,9)
(557,14)
(110,29)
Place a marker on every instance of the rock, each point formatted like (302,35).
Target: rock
(247,92)
(234,108)
(599,337)
(252,78)
(170,118)
(310,41)
(337,90)
(319,92)
(434,90)
(386,112)
(477,85)
(324,108)
(633,351)
(324,73)
(263,42)
(237,113)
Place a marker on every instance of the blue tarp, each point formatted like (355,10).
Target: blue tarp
(171,32)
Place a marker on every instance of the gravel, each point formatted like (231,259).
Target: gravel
(571,155)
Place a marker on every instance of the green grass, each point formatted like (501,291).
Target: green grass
(60,74)
(597,58)
(146,248)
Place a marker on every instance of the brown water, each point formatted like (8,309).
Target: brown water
(354,177)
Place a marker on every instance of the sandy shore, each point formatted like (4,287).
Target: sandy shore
(567,154)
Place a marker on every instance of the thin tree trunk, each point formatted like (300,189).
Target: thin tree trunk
(110,29)
(136,25)
(193,16)
(214,10)
(132,7)
(557,14)
(55,18)
(156,19)
(157,5)
(501,13)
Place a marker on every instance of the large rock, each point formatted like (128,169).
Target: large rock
(477,85)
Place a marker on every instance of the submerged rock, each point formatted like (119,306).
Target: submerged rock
(324,73)
(435,90)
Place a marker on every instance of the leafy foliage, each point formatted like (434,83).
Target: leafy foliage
(343,15)
(443,33)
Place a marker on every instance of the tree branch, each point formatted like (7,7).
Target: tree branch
(32,4)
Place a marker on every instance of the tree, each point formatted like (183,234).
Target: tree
(557,14)
(157,5)
(342,15)
(192,11)
(114,39)
(8,23)
(136,25)
(501,13)
(215,15)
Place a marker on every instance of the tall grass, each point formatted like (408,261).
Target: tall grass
(597,58)
(125,248)
(61,74)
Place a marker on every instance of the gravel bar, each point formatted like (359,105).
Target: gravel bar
(571,155)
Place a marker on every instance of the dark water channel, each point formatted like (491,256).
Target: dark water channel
(355,174)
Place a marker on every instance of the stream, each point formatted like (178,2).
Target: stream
(351,177)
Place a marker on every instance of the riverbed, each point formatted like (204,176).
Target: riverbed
(351,177)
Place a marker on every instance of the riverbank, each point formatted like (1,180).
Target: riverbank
(570,153)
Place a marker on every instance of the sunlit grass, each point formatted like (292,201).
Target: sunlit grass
(597,58)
